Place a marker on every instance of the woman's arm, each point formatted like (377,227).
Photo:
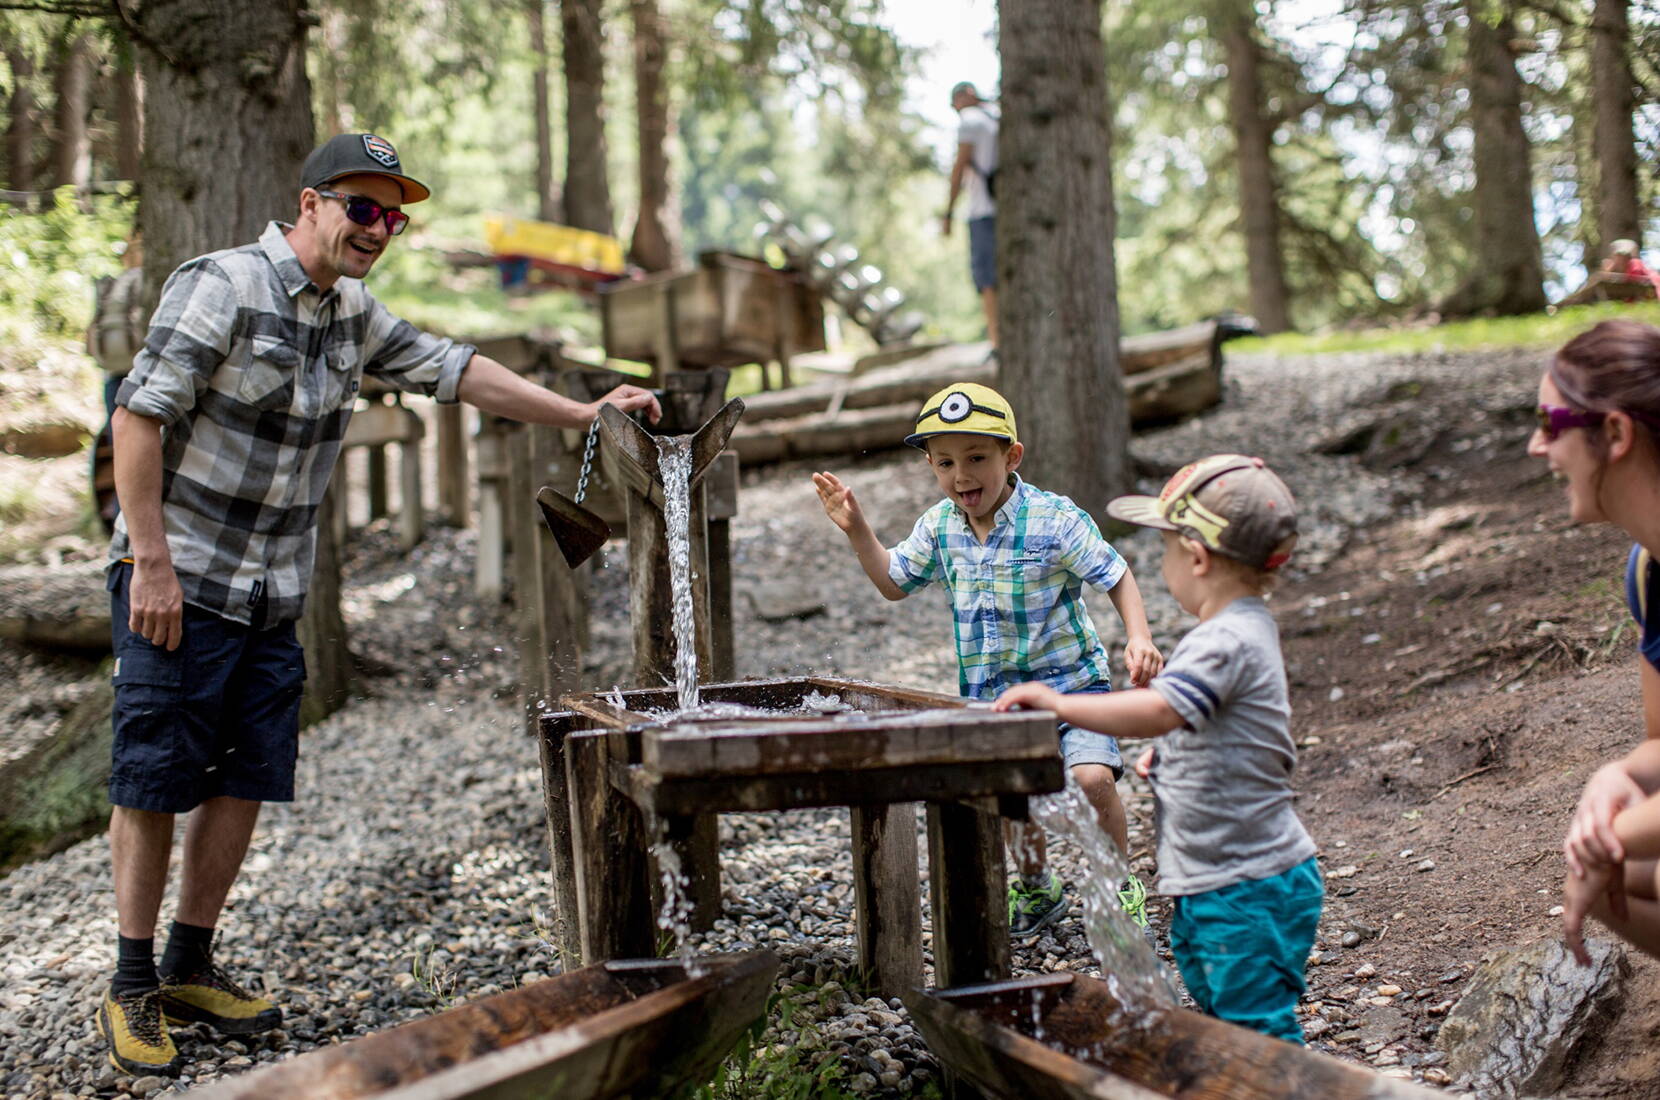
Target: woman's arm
(1617,787)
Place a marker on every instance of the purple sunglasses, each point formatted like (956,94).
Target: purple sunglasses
(1556,419)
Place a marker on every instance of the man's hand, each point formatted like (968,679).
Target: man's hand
(945,225)
(1144,661)
(839,502)
(1033,696)
(156,606)
(1591,838)
(628,399)
(1580,893)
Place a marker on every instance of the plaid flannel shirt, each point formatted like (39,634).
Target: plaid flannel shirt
(253,372)
(1017,599)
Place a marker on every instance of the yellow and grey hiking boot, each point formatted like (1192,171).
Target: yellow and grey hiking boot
(137,1033)
(209,996)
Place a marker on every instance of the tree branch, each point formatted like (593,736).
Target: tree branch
(81,9)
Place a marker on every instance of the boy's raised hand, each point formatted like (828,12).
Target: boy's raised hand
(1032,696)
(1143,660)
(839,503)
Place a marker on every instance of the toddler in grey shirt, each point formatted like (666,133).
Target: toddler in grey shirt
(1231,849)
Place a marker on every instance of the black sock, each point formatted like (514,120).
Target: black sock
(189,949)
(135,966)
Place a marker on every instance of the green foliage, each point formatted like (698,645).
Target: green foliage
(48,262)
(1535,330)
(780,1057)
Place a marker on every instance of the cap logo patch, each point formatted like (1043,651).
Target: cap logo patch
(956,408)
(381,150)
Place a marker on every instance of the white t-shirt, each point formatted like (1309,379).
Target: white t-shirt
(977,126)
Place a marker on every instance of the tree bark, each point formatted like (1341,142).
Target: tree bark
(1613,99)
(656,242)
(547,195)
(129,116)
(1259,197)
(21,119)
(587,186)
(1057,288)
(227,116)
(1509,274)
(72,88)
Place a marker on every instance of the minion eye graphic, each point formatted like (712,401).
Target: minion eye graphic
(955,408)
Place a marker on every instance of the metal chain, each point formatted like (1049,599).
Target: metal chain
(587,461)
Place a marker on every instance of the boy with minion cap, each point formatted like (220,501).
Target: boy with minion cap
(1231,849)
(1013,560)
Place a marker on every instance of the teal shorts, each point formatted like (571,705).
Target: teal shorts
(1242,949)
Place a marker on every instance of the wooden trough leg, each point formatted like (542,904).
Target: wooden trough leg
(378,505)
(608,843)
(556,801)
(696,840)
(887,902)
(411,517)
(723,663)
(969,895)
(453,504)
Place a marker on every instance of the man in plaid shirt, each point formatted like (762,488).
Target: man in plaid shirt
(226,433)
(1014,560)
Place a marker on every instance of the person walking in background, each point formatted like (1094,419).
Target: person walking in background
(1623,260)
(975,169)
(226,433)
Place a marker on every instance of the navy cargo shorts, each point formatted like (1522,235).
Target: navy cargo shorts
(220,715)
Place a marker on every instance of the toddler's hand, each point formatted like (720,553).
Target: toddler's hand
(1028,697)
(838,500)
(1144,661)
(1144,763)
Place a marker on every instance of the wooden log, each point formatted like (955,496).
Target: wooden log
(608,842)
(552,730)
(56,791)
(968,895)
(454,498)
(887,897)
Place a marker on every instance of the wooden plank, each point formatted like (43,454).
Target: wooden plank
(874,786)
(887,897)
(552,729)
(968,893)
(608,841)
(454,496)
(377,425)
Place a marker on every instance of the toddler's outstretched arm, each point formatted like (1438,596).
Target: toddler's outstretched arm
(844,511)
(1138,712)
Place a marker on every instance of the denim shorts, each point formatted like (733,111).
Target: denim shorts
(220,715)
(982,252)
(1242,949)
(1079,746)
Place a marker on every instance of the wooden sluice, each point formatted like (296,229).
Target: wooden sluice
(614,1030)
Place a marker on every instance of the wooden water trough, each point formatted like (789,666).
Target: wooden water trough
(1071,1037)
(617,1029)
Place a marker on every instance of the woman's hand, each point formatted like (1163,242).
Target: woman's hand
(1029,697)
(1143,660)
(1591,840)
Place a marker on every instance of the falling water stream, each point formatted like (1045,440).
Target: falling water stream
(674,462)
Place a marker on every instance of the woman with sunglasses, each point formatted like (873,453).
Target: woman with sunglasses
(1599,429)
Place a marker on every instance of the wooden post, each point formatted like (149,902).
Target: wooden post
(668,340)
(492,537)
(696,840)
(554,599)
(378,475)
(411,512)
(887,901)
(608,843)
(454,504)
(969,895)
(720,486)
(784,330)
(556,800)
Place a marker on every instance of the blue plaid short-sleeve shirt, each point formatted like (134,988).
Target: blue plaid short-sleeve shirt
(1016,599)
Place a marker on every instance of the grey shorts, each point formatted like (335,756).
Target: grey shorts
(982,252)
(1088,747)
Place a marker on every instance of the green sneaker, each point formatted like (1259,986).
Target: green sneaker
(1032,909)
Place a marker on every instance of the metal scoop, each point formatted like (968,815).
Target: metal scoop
(579,532)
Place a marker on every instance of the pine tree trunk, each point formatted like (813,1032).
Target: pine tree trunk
(587,186)
(547,195)
(129,116)
(1057,289)
(1613,98)
(72,88)
(227,118)
(21,119)
(1259,198)
(1509,273)
(656,243)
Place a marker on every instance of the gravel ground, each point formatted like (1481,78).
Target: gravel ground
(412,870)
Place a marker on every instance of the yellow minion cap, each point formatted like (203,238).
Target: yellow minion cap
(965,407)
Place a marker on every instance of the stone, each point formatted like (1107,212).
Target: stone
(1527,1012)
(781,601)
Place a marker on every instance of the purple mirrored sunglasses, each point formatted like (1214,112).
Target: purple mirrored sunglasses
(1556,419)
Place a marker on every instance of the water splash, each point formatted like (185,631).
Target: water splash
(674,463)
(1119,945)
(675,916)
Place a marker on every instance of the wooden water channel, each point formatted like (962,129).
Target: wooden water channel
(618,1029)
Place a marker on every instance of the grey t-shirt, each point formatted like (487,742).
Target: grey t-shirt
(1223,781)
